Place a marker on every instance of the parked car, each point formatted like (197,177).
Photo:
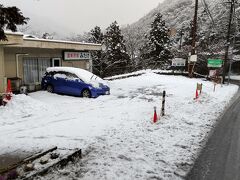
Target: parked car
(74,81)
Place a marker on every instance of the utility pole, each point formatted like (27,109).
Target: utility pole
(194,37)
(194,29)
(228,39)
(181,37)
(235,26)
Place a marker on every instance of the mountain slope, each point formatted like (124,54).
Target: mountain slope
(179,12)
(178,15)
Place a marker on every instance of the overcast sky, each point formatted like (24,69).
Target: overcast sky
(82,15)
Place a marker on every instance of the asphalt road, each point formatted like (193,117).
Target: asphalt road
(220,159)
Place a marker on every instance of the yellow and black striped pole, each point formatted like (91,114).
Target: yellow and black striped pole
(163,103)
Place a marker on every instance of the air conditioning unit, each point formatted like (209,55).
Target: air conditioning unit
(31,87)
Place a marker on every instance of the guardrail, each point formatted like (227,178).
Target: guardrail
(141,73)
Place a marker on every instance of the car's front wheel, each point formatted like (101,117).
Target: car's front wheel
(86,93)
(50,88)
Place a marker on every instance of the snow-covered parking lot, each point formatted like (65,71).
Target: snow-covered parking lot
(115,132)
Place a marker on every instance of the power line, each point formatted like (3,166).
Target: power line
(208,11)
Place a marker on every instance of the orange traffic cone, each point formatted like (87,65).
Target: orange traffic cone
(155,115)
(9,91)
(196,96)
(9,87)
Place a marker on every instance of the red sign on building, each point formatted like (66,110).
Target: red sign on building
(76,56)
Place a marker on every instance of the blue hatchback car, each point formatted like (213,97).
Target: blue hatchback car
(74,81)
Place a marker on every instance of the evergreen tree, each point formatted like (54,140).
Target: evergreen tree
(145,56)
(117,60)
(157,50)
(10,17)
(96,36)
(85,37)
(47,35)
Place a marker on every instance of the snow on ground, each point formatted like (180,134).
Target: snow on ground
(235,77)
(141,72)
(115,132)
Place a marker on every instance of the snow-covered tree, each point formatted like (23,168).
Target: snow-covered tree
(47,35)
(79,37)
(116,57)
(10,17)
(157,49)
(96,36)
(133,40)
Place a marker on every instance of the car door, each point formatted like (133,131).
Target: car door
(59,84)
(73,84)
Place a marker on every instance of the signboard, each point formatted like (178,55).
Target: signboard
(178,62)
(212,73)
(193,58)
(236,57)
(69,56)
(216,63)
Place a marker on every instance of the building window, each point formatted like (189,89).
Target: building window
(34,69)
(56,62)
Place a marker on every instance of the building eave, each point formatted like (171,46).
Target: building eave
(18,40)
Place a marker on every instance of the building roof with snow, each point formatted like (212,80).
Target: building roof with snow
(17,39)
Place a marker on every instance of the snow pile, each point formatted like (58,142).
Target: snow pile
(141,72)
(116,132)
(235,77)
(21,106)
(136,73)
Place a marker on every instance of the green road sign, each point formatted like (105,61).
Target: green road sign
(215,63)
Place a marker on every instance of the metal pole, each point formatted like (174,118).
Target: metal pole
(229,71)
(233,45)
(163,103)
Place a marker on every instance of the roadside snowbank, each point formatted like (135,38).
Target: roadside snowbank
(141,72)
(116,132)
(235,77)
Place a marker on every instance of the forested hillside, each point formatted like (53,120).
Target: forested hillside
(213,16)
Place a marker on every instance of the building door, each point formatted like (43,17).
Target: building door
(34,69)
(30,70)
(43,64)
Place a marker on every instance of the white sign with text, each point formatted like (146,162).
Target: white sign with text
(76,55)
(180,62)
